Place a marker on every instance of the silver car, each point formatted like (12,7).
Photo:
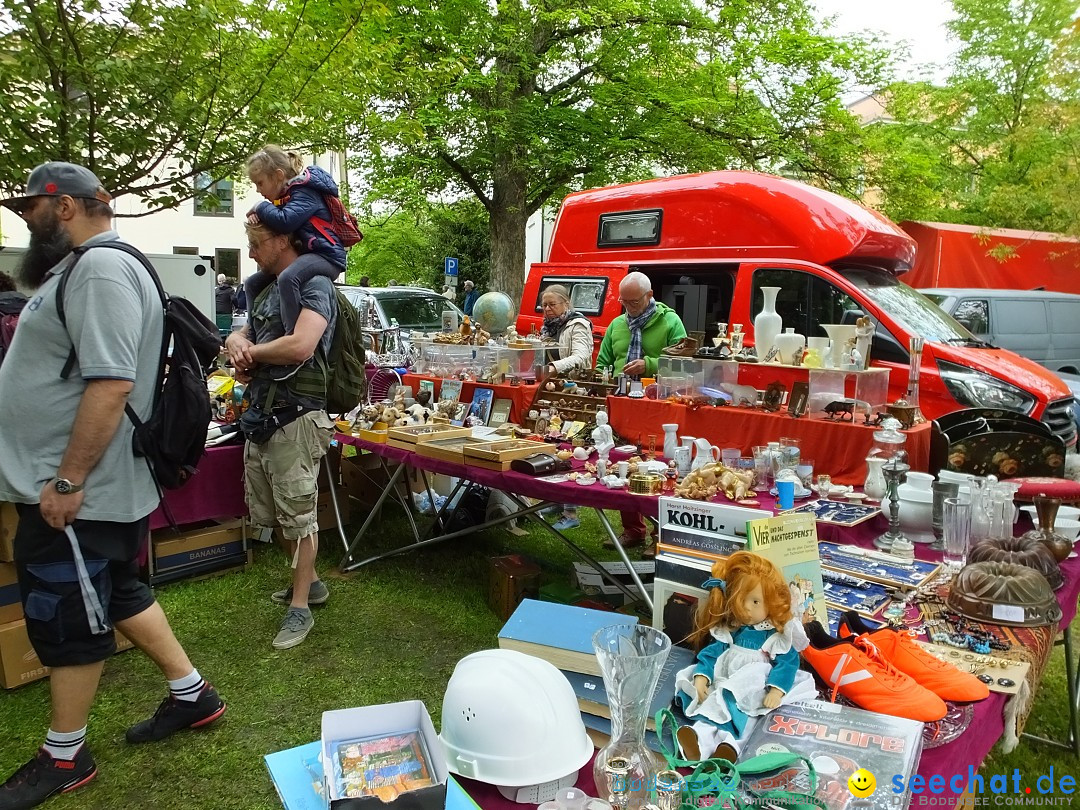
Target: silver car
(413,308)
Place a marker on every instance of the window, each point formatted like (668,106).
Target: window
(586,294)
(975,315)
(630,228)
(213,198)
(806,301)
(185,251)
(227,261)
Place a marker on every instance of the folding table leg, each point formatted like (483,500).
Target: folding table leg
(390,487)
(1072,689)
(626,559)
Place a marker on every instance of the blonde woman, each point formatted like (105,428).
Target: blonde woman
(570,328)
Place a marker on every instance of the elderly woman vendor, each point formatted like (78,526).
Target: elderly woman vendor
(570,328)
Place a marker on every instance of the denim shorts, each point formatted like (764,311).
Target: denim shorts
(56,618)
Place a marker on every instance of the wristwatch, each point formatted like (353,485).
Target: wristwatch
(66,487)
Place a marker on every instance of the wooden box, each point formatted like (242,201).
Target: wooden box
(498,455)
(407,437)
(511,579)
(374,436)
(452,449)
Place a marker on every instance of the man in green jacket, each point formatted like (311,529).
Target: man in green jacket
(634,340)
(631,345)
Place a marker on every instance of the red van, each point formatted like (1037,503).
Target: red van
(709,241)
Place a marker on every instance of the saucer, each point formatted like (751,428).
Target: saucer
(800,494)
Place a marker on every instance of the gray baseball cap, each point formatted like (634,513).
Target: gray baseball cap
(57,179)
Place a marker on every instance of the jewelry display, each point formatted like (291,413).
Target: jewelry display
(875,566)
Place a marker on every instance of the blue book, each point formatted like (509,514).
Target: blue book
(592,697)
(560,634)
(481,403)
(297,774)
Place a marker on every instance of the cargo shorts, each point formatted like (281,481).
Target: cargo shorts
(281,476)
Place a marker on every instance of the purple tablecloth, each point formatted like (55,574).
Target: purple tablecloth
(970,749)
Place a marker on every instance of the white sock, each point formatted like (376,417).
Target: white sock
(64,744)
(187,688)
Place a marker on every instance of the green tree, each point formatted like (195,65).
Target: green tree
(149,94)
(516,103)
(997,144)
(410,246)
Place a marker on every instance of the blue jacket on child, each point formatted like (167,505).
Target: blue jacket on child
(293,213)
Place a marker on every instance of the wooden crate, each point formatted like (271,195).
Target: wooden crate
(498,455)
(407,437)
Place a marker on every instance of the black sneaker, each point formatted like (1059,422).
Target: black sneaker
(174,715)
(44,776)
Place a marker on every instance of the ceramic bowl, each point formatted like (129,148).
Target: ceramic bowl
(919,480)
(1063,513)
(1069,527)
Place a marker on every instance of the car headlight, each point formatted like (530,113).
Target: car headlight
(978,390)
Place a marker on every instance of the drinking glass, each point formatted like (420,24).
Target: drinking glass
(789,452)
(806,472)
(956,526)
(824,486)
(762,468)
(729,456)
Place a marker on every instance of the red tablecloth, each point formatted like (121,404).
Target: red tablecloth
(837,448)
(520,396)
(215,492)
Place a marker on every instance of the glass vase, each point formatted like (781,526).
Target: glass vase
(631,657)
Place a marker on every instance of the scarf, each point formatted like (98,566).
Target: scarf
(636,325)
(553,326)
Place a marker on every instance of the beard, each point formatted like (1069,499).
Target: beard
(49,243)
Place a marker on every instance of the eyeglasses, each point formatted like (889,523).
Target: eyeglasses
(549,304)
(255,245)
(632,302)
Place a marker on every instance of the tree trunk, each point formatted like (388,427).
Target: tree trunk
(508,218)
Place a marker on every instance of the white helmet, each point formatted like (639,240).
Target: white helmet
(511,719)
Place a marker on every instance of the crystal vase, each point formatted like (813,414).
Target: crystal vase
(631,657)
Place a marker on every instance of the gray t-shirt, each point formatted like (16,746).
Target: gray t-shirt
(316,294)
(114,321)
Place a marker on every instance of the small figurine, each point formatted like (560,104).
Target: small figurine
(554,424)
(602,435)
(748,664)
(864,333)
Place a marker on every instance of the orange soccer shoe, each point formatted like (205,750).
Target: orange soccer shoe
(856,669)
(941,678)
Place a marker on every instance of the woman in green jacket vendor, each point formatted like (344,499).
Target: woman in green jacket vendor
(634,340)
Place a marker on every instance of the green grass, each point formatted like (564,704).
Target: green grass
(392,631)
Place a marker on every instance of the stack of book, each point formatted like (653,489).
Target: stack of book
(562,635)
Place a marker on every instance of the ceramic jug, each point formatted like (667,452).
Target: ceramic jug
(706,453)
(874,487)
(767,324)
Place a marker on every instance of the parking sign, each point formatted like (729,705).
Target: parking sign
(450,264)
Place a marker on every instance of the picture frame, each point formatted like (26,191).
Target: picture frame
(799,399)
(774,396)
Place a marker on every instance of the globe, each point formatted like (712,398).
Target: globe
(494,312)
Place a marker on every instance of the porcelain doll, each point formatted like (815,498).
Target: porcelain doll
(602,436)
(748,662)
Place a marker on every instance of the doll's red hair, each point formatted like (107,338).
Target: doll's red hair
(741,572)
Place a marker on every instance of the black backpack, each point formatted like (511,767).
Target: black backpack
(173,439)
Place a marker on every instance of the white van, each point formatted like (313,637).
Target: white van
(191,277)
(1043,326)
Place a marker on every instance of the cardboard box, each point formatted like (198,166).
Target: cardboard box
(10,599)
(511,579)
(588,579)
(202,544)
(364,478)
(9,521)
(325,515)
(366,722)
(19,664)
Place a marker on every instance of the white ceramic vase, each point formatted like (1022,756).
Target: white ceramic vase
(671,441)
(838,333)
(789,344)
(767,324)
